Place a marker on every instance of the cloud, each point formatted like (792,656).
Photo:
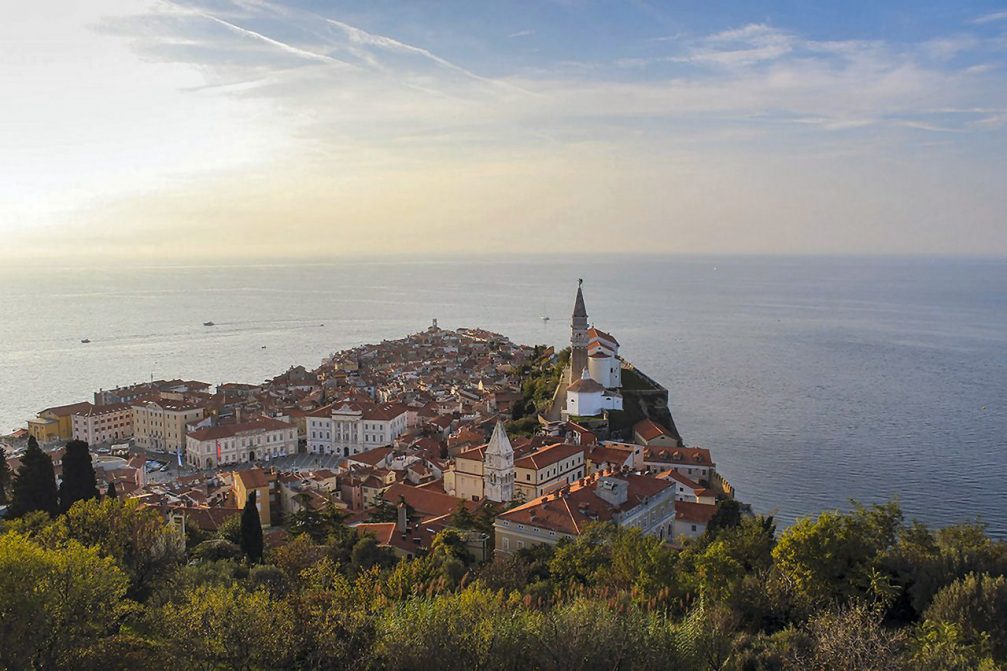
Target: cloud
(989,18)
(386,138)
(522,33)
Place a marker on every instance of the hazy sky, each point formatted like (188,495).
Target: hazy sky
(237,128)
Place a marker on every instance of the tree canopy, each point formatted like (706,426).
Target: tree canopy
(35,483)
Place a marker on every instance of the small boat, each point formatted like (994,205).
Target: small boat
(208,324)
(544,318)
(85,340)
(321,324)
(263,347)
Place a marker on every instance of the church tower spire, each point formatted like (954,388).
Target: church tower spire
(498,467)
(578,336)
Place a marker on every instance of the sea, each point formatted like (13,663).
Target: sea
(815,382)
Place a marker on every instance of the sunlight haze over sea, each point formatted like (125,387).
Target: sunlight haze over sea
(812,380)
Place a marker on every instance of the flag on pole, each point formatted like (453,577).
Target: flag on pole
(218,453)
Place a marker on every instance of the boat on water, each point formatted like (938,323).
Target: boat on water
(544,318)
(85,340)
(208,324)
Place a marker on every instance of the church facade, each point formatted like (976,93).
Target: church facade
(595,373)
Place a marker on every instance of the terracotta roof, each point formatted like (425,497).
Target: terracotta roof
(64,410)
(98,410)
(610,454)
(228,430)
(598,333)
(648,429)
(586,386)
(383,532)
(253,478)
(694,456)
(690,511)
(427,502)
(168,403)
(547,456)
(672,474)
(385,412)
(371,457)
(581,505)
(207,519)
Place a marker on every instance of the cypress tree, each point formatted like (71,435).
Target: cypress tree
(251,530)
(110,493)
(79,482)
(35,484)
(5,476)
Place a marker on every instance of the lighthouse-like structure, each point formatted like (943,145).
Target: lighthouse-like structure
(498,467)
(578,336)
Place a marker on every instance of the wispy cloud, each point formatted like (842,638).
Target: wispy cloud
(989,18)
(304,53)
(522,33)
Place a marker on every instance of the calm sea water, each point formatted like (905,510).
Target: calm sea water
(814,381)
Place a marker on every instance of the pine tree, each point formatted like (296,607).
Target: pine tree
(79,482)
(110,493)
(5,476)
(35,484)
(251,530)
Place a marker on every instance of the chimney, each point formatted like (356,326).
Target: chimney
(400,525)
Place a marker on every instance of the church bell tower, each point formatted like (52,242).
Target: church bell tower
(578,336)
(498,467)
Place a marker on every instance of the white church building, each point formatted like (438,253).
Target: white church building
(595,367)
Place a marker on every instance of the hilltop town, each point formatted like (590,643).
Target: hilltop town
(403,436)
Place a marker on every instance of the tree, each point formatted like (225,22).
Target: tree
(5,476)
(726,516)
(977,605)
(110,493)
(251,530)
(56,602)
(227,627)
(135,536)
(35,485)
(367,553)
(78,482)
(836,555)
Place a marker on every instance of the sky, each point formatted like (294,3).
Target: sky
(206,129)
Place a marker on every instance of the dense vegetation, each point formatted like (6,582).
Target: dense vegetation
(106,585)
(539,379)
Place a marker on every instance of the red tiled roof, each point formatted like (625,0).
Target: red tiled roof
(581,505)
(253,478)
(693,456)
(672,474)
(385,412)
(229,430)
(371,457)
(427,502)
(547,456)
(648,429)
(598,333)
(98,410)
(586,385)
(64,410)
(690,511)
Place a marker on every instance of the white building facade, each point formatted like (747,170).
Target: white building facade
(351,428)
(588,398)
(260,440)
(103,423)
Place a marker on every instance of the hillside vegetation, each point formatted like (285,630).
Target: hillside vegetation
(107,585)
